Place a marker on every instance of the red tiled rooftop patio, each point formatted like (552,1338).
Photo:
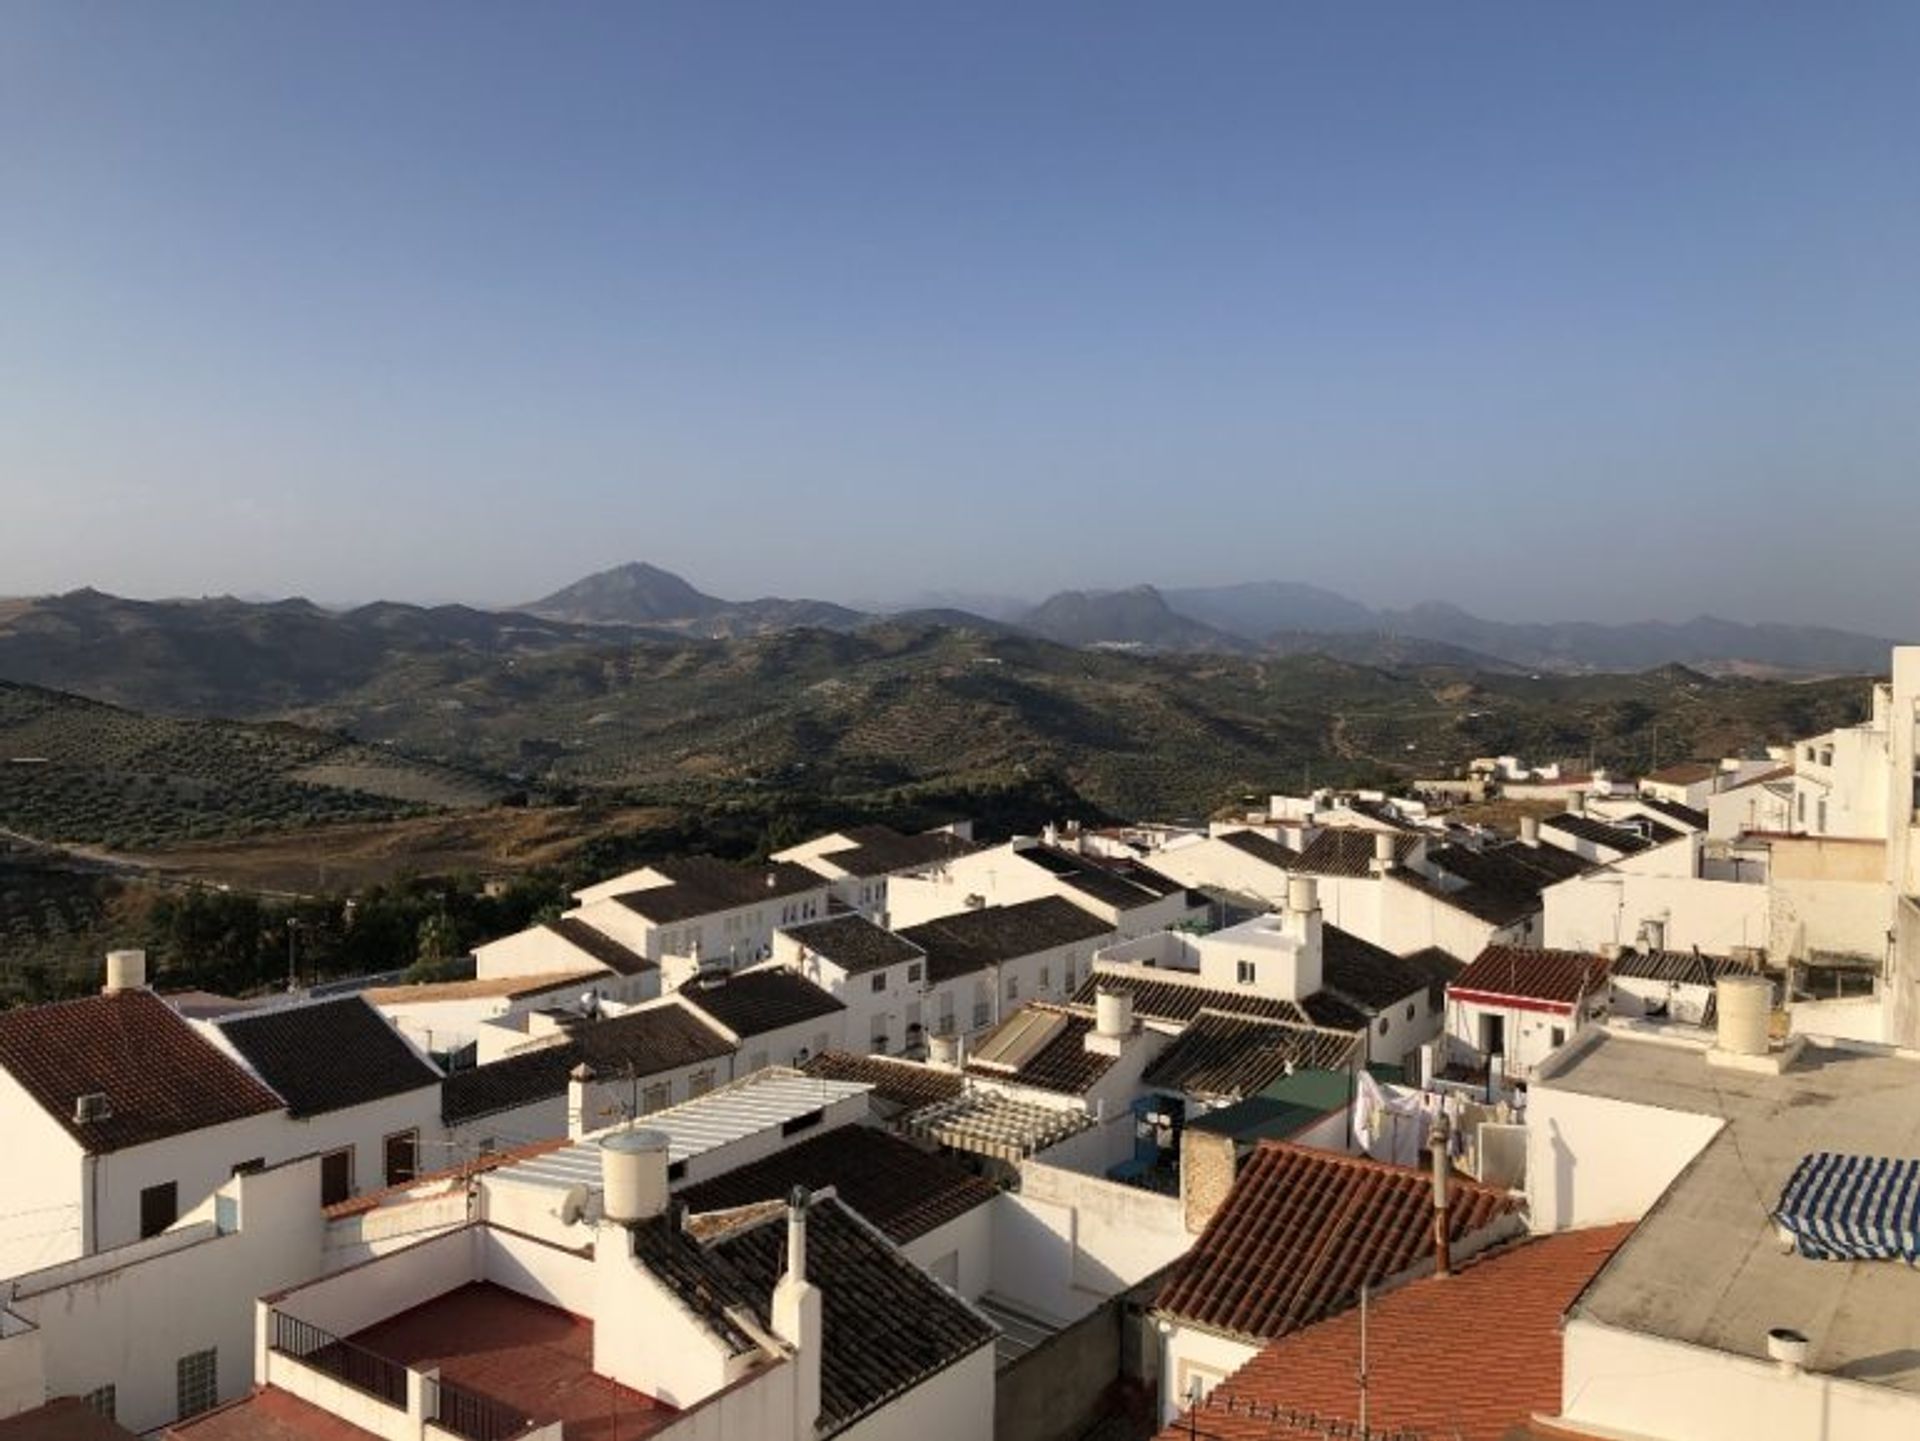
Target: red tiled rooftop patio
(535,1358)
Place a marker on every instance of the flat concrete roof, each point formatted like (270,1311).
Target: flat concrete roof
(1707,1266)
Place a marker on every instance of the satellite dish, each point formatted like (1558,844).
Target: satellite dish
(573,1206)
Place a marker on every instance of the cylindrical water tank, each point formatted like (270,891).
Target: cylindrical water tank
(1383,850)
(1303,893)
(633,1175)
(1745,1004)
(126,971)
(1113,1012)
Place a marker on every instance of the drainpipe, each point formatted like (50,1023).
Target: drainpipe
(1437,1140)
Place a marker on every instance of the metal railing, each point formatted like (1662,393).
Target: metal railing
(355,1366)
(471,1416)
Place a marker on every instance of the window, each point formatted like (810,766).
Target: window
(196,1385)
(1013,987)
(159,1208)
(913,973)
(1046,978)
(1820,824)
(1244,972)
(1559,1037)
(1800,807)
(402,1154)
(945,1024)
(879,981)
(103,1400)
(980,1014)
(1809,752)
(1409,1010)
(336,1176)
(1384,1023)
(657,1096)
(700,1082)
(878,1036)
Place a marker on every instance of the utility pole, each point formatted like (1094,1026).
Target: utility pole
(293,975)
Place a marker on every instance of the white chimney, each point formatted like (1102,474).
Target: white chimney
(633,1175)
(797,1318)
(1530,830)
(126,971)
(1577,802)
(1382,852)
(1112,1022)
(944,1051)
(1303,924)
(1438,1140)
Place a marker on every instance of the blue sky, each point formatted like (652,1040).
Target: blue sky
(1603,312)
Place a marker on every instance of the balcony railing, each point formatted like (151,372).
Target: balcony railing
(473,1417)
(355,1366)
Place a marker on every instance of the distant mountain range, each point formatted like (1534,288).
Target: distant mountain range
(642,594)
(228,657)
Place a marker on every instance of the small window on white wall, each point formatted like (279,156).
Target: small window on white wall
(1244,972)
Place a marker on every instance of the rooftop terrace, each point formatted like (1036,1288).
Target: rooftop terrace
(1706,1266)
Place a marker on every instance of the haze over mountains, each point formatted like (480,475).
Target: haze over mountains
(245,658)
(1281,616)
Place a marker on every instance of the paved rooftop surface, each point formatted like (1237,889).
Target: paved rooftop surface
(1706,1266)
(537,1359)
(269,1414)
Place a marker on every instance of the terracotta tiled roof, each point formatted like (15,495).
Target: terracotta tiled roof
(701,885)
(902,1189)
(328,1056)
(1599,833)
(905,1084)
(1302,1230)
(1262,848)
(755,1002)
(1063,1064)
(971,941)
(1341,851)
(499,987)
(1554,978)
(651,1040)
(888,1325)
(1416,1382)
(160,1076)
(1176,1002)
(1373,977)
(883,851)
(1228,1057)
(621,959)
(855,944)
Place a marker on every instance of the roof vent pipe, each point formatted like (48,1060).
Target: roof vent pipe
(1438,1139)
(1788,1347)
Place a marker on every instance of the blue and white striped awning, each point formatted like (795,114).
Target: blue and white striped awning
(1853,1208)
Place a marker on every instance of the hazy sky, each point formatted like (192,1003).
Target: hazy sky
(1604,311)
